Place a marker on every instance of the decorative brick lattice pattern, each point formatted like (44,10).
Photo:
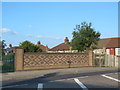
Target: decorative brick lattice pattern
(54,59)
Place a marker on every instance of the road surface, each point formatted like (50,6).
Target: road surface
(79,81)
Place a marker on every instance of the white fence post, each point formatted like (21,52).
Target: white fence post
(116,61)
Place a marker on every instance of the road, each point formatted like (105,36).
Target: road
(80,81)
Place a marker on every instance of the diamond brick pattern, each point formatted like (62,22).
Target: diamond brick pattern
(46,59)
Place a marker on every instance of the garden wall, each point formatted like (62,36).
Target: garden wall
(35,61)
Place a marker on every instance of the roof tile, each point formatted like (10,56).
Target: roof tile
(61,47)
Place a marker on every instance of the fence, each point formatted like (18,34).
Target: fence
(105,60)
(8,63)
(35,61)
(112,60)
(99,60)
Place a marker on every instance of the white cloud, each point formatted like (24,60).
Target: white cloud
(39,36)
(6,30)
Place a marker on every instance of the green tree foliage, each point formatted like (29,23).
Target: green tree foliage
(30,47)
(2,46)
(84,37)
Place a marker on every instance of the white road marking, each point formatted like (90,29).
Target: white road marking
(14,86)
(40,86)
(67,79)
(111,73)
(111,78)
(80,84)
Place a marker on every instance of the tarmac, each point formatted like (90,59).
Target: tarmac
(22,75)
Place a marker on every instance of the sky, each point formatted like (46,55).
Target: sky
(51,22)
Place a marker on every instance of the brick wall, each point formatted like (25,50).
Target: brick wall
(35,61)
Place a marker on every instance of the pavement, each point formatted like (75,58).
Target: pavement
(39,73)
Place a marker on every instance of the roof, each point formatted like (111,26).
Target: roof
(109,43)
(61,47)
(103,43)
(17,47)
(42,47)
(7,50)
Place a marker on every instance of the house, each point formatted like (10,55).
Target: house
(42,47)
(10,49)
(63,47)
(109,45)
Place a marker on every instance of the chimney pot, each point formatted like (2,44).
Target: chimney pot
(10,45)
(38,43)
(66,40)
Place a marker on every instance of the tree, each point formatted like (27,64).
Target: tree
(3,44)
(30,47)
(84,37)
(2,47)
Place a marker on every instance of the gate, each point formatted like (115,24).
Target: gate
(99,60)
(8,63)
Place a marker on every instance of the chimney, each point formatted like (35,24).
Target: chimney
(10,45)
(66,40)
(38,43)
(70,48)
(46,47)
